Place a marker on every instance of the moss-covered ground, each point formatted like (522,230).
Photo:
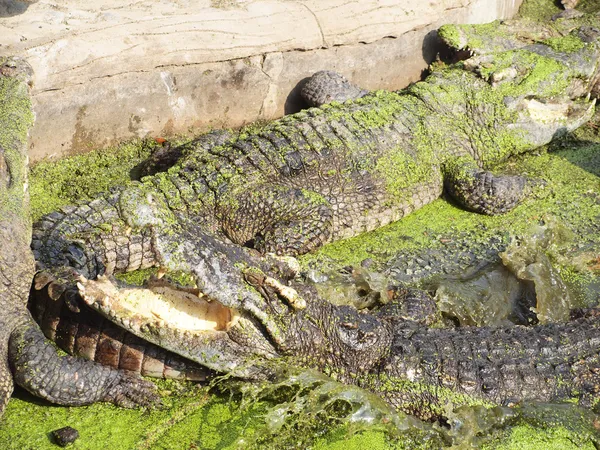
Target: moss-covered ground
(194,418)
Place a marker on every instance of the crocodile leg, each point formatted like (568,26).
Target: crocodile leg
(480,190)
(295,221)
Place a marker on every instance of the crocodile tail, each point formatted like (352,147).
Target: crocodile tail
(63,379)
(16,262)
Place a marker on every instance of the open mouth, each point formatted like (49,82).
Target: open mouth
(184,321)
(159,306)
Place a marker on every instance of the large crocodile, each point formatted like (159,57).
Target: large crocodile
(26,357)
(418,370)
(352,156)
(342,169)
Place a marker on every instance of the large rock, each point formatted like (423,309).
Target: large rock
(114,69)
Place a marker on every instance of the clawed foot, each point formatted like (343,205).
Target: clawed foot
(131,391)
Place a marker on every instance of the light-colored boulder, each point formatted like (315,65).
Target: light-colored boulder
(111,70)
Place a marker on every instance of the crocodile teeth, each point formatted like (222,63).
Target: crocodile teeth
(42,279)
(81,288)
(55,290)
(87,299)
(135,324)
(290,294)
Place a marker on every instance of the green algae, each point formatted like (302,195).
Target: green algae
(300,406)
(527,437)
(288,415)
(137,277)
(243,416)
(27,421)
(16,117)
(539,10)
(547,426)
(80,177)
(471,36)
(589,6)
(545,76)
(565,44)
(410,395)
(543,10)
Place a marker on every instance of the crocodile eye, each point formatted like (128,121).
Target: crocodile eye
(356,335)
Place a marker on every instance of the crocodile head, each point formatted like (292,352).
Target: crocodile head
(546,73)
(515,51)
(292,321)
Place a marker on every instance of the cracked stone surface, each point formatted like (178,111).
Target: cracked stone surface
(111,70)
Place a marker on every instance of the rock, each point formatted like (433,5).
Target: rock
(112,70)
(65,436)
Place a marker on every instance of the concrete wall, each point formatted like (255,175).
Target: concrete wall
(112,70)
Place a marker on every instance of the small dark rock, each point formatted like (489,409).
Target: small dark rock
(65,436)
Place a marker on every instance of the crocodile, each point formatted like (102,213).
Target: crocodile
(26,357)
(416,369)
(333,172)
(80,331)
(328,173)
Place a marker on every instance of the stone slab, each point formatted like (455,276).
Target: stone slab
(111,70)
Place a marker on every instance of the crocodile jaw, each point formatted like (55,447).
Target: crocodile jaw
(160,306)
(183,321)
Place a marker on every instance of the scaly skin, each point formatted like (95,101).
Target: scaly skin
(26,357)
(82,332)
(416,369)
(420,370)
(343,169)
(321,175)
